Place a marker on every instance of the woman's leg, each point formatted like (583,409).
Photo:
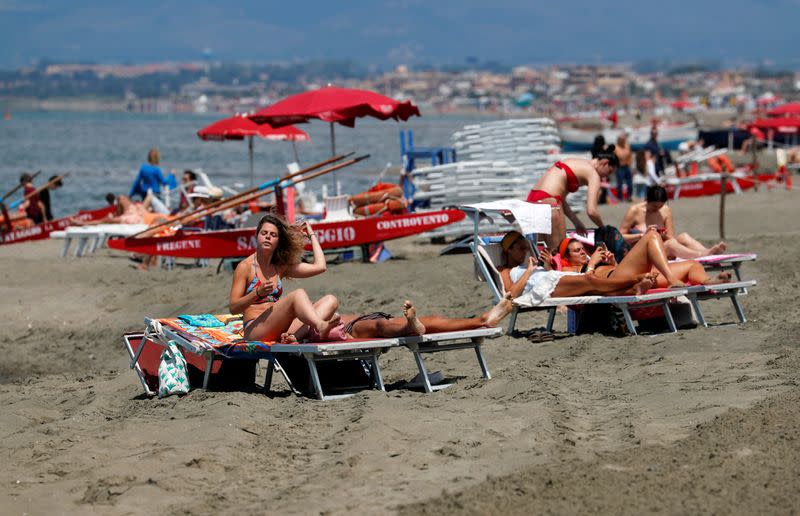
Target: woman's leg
(276,320)
(325,308)
(648,252)
(694,273)
(559,228)
(591,285)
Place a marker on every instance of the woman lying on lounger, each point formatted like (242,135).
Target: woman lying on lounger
(257,289)
(648,255)
(378,325)
(521,275)
(655,212)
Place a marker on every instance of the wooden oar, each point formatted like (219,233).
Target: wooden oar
(41,188)
(14,190)
(242,198)
(239,195)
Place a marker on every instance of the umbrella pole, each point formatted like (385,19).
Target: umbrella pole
(333,153)
(294,148)
(252,171)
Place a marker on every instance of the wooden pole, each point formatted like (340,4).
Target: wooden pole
(243,194)
(14,190)
(241,199)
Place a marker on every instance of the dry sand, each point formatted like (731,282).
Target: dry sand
(701,421)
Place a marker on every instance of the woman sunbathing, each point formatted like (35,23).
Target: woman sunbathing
(655,212)
(566,177)
(257,289)
(521,275)
(648,255)
(382,325)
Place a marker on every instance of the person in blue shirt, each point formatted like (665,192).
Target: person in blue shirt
(150,177)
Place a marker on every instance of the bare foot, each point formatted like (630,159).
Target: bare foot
(413,325)
(498,312)
(288,338)
(718,249)
(643,285)
(327,326)
(722,277)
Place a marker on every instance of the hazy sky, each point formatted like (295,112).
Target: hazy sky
(400,31)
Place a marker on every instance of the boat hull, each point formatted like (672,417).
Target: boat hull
(43,230)
(669,137)
(332,235)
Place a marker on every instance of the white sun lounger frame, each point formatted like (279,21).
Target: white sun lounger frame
(730,290)
(93,236)
(320,352)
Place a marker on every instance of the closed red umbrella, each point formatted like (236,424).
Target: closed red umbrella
(239,127)
(334,105)
(790,108)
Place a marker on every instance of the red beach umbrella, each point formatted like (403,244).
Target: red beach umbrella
(239,127)
(682,104)
(334,105)
(790,108)
(781,124)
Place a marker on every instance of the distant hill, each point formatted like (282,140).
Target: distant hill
(400,31)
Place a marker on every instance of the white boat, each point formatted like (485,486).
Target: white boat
(669,136)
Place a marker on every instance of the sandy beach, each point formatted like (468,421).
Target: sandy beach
(702,421)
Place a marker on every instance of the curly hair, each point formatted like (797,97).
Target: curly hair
(290,241)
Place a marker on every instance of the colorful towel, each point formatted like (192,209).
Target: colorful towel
(204,320)
(225,339)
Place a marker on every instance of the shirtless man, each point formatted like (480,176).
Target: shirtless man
(625,156)
(655,212)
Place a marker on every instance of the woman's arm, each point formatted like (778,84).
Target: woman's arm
(571,215)
(515,288)
(591,199)
(318,266)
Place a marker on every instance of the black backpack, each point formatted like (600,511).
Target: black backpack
(612,239)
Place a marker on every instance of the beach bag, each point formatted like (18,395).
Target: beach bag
(612,239)
(172,378)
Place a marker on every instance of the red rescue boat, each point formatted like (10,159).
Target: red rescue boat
(234,243)
(25,233)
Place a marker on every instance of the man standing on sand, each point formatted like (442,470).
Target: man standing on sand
(44,196)
(653,148)
(33,206)
(623,152)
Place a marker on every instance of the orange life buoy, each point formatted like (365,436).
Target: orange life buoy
(373,195)
(391,205)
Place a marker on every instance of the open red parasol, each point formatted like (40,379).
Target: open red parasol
(239,127)
(334,105)
(780,124)
(790,108)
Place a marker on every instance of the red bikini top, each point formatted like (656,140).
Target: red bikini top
(572,179)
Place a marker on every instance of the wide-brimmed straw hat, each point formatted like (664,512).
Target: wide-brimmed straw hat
(509,239)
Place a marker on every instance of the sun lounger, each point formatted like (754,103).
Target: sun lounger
(93,236)
(206,347)
(487,268)
(721,262)
(720,291)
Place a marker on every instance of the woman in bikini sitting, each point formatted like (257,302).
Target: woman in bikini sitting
(521,275)
(648,255)
(382,325)
(566,177)
(655,212)
(257,289)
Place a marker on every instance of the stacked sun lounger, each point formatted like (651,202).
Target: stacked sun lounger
(206,346)
(497,160)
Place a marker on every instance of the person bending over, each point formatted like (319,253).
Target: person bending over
(566,177)
(257,288)
(655,212)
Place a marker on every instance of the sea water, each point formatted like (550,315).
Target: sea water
(103,151)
